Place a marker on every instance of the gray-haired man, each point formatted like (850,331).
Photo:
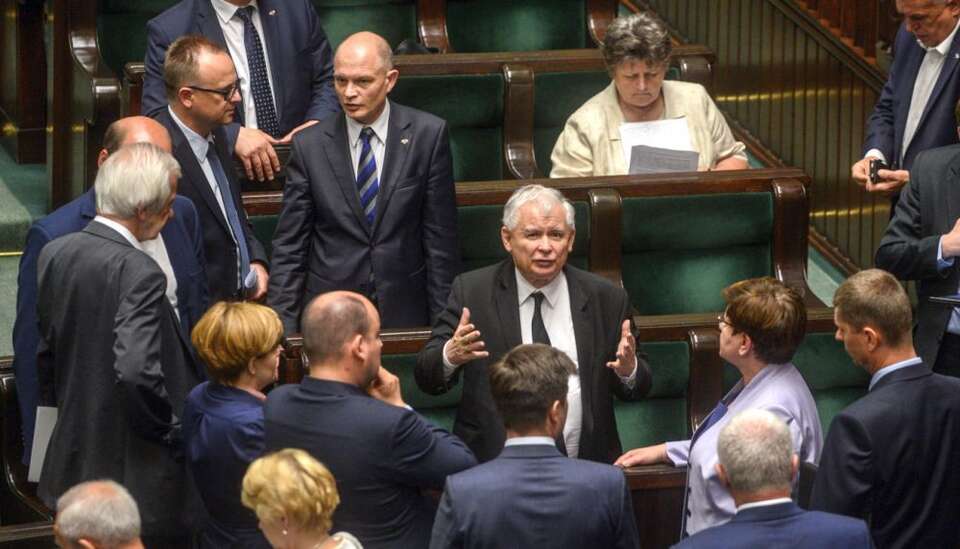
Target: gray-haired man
(98,514)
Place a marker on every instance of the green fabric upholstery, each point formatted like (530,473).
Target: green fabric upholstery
(506,25)
(263,228)
(395,20)
(834,379)
(441,410)
(122,29)
(662,415)
(472,105)
(479,232)
(679,252)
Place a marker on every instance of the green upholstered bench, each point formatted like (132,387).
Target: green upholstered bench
(833,378)
(663,414)
(122,29)
(395,20)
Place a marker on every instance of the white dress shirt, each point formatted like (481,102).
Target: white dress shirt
(156,249)
(232,27)
(764,503)
(378,142)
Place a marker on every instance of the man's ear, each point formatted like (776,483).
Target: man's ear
(86,544)
(874,339)
(102,157)
(722,475)
(573,237)
(794,466)
(185,97)
(505,238)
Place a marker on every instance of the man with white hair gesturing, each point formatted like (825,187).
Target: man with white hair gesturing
(98,514)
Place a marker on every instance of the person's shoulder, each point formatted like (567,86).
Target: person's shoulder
(937,159)
(174,19)
(685,88)
(836,522)
(279,397)
(482,276)
(422,119)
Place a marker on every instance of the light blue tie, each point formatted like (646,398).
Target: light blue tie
(367,183)
(233,217)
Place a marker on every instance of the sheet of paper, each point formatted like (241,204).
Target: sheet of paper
(665,134)
(645,159)
(46,421)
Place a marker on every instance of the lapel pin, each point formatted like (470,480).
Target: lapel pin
(272,12)
(404,140)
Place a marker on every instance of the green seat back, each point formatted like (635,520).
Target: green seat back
(263,228)
(122,29)
(441,410)
(679,252)
(472,105)
(507,25)
(395,20)
(833,378)
(662,415)
(479,232)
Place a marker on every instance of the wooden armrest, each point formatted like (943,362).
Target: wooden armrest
(652,477)
(432,24)
(600,13)
(705,385)
(133,88)
(790,236)
(606,234)
(518,122)
(29,531)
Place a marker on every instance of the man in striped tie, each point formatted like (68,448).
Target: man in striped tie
(369,204)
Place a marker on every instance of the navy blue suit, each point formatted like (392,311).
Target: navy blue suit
(184,244)
(381,455)
(782,526)
(938,126)
(532,496)
(222,434)
(301,63)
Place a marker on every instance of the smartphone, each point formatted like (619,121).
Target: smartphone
(875,166)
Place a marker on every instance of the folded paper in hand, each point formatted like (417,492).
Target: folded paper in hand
(662,137)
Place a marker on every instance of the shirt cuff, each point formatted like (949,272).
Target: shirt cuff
(942,264)
(877,154)
(631,379)
(678,452)
(448,368)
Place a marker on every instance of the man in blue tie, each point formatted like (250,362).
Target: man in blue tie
(203,93)
(369,203)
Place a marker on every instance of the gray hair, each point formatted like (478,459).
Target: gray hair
(136,176)
(99,510)
(641,37)
(546,197)
(756,451)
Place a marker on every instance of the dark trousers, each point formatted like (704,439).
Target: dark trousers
(948,357)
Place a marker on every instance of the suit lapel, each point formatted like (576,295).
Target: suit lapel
(399,141)
(103,231)
(952,195)
(950,63)
(338,155)
(916,54)
(507,304)
(583,331)
(269,20)
(193,174)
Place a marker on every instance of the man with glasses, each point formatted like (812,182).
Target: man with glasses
(203,93)
(915,109)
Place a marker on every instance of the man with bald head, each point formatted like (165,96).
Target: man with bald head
(178,250)
(349,413)
(369,204)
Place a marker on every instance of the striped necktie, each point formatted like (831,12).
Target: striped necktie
(367,182)
(259,82)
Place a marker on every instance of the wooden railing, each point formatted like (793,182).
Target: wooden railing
(798,89)
(859,23)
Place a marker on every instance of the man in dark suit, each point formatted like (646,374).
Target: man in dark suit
(202,90)
(757,464)
(921,243)
(891,457)
(369,203)
(527,496)
(535,297)
(349,414)
(181,240)
(283,62)
(112,356)
(915,108)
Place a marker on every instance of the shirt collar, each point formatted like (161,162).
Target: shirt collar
(198,143)
(764,503)
(943,48)
(529,441)
(551,291)
(892,368)
(379,126)
(124,232)
(225,10)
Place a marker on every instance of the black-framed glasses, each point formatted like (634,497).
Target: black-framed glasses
(225,93)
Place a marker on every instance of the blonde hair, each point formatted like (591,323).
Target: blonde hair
(291,484)
(231,334)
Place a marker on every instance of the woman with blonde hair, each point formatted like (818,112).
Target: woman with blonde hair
(294,497)
(240,343)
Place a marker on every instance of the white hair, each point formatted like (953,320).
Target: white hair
(756,451)
(546,197)
(136,176)
(99,510)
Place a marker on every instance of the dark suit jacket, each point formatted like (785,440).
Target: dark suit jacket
(116,364)
(938,126)
(406,260)
(222,435)
(891,457)
(221,253)
(598,309)
(928,208)
(381,455)
(528,497)
(782,526)
(184,244)
(301,63)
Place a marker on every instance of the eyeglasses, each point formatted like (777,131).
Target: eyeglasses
(722,321)
(225,93)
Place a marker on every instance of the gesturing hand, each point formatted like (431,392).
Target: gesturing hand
(626,360)
(466,344)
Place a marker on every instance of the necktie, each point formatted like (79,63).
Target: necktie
(233,218)
(367,182)
(538,330)
(259,82)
